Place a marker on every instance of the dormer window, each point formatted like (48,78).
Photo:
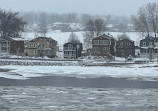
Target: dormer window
(70,45)
(144,43)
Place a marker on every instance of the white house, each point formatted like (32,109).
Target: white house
(4,47)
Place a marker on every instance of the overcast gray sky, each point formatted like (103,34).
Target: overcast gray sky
(116,7)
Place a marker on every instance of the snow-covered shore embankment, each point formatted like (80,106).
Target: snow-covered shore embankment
(38,63)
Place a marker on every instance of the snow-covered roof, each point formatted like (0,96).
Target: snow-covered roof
(18,39)
(104,36)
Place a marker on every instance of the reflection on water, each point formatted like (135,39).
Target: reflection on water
(77,99)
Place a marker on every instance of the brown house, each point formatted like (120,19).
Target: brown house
(16,46)
(125,48)
(103,45)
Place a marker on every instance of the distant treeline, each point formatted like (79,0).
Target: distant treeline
(118,22)
(34,17)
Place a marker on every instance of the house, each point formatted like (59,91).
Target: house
(149,47)
(16,46)
(103,46)
(42,46)
(125,47)
(72,50)
(4,46)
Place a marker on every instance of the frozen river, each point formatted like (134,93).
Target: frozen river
(33,88)
(78,94)
(46,98)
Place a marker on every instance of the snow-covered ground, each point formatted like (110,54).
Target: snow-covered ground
(145,72)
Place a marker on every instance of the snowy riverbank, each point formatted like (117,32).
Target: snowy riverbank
(135,71)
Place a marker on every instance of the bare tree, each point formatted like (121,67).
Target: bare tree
(123,36)
(147,19)
(11,24)
(152,13)
(43,24)
(93,28)
(73,38)
(35,30)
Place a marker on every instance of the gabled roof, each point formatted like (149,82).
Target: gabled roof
(47,39)
(73,43)
(151,38)
(125,40)
(2,39)
(14,39)
(104,36)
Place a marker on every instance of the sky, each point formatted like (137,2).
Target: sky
(94,7)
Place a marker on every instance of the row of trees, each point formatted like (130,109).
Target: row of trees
(34,17)
(146,20)
(11,24)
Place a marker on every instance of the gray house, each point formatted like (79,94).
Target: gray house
(4,46)
(72,50)
(149,47)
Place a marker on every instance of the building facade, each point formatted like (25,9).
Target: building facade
(125,48)
(103,46)
(72,50)
(149,47)
(42,46)
(17,46)
(4,47)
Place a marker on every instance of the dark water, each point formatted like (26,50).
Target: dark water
(48,98)
(59,93)
(63,81)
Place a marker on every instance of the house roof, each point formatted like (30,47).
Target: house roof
(151,38)
(137,47)
(47,39)
(72,43)
(18,39)
(2,39)
(125,40)
(14,39)
(104,36)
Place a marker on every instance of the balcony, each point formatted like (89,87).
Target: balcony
(70,49)
(150,46)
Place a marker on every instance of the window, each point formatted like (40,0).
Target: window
(128,43)
(95,42)
(100,42)
(106,49)
(34,45)
(4,44)
(70,46)
(42,46)
(106,42)
(144,43)
(95,49)
(121,43)
(3,49)
(31,51)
